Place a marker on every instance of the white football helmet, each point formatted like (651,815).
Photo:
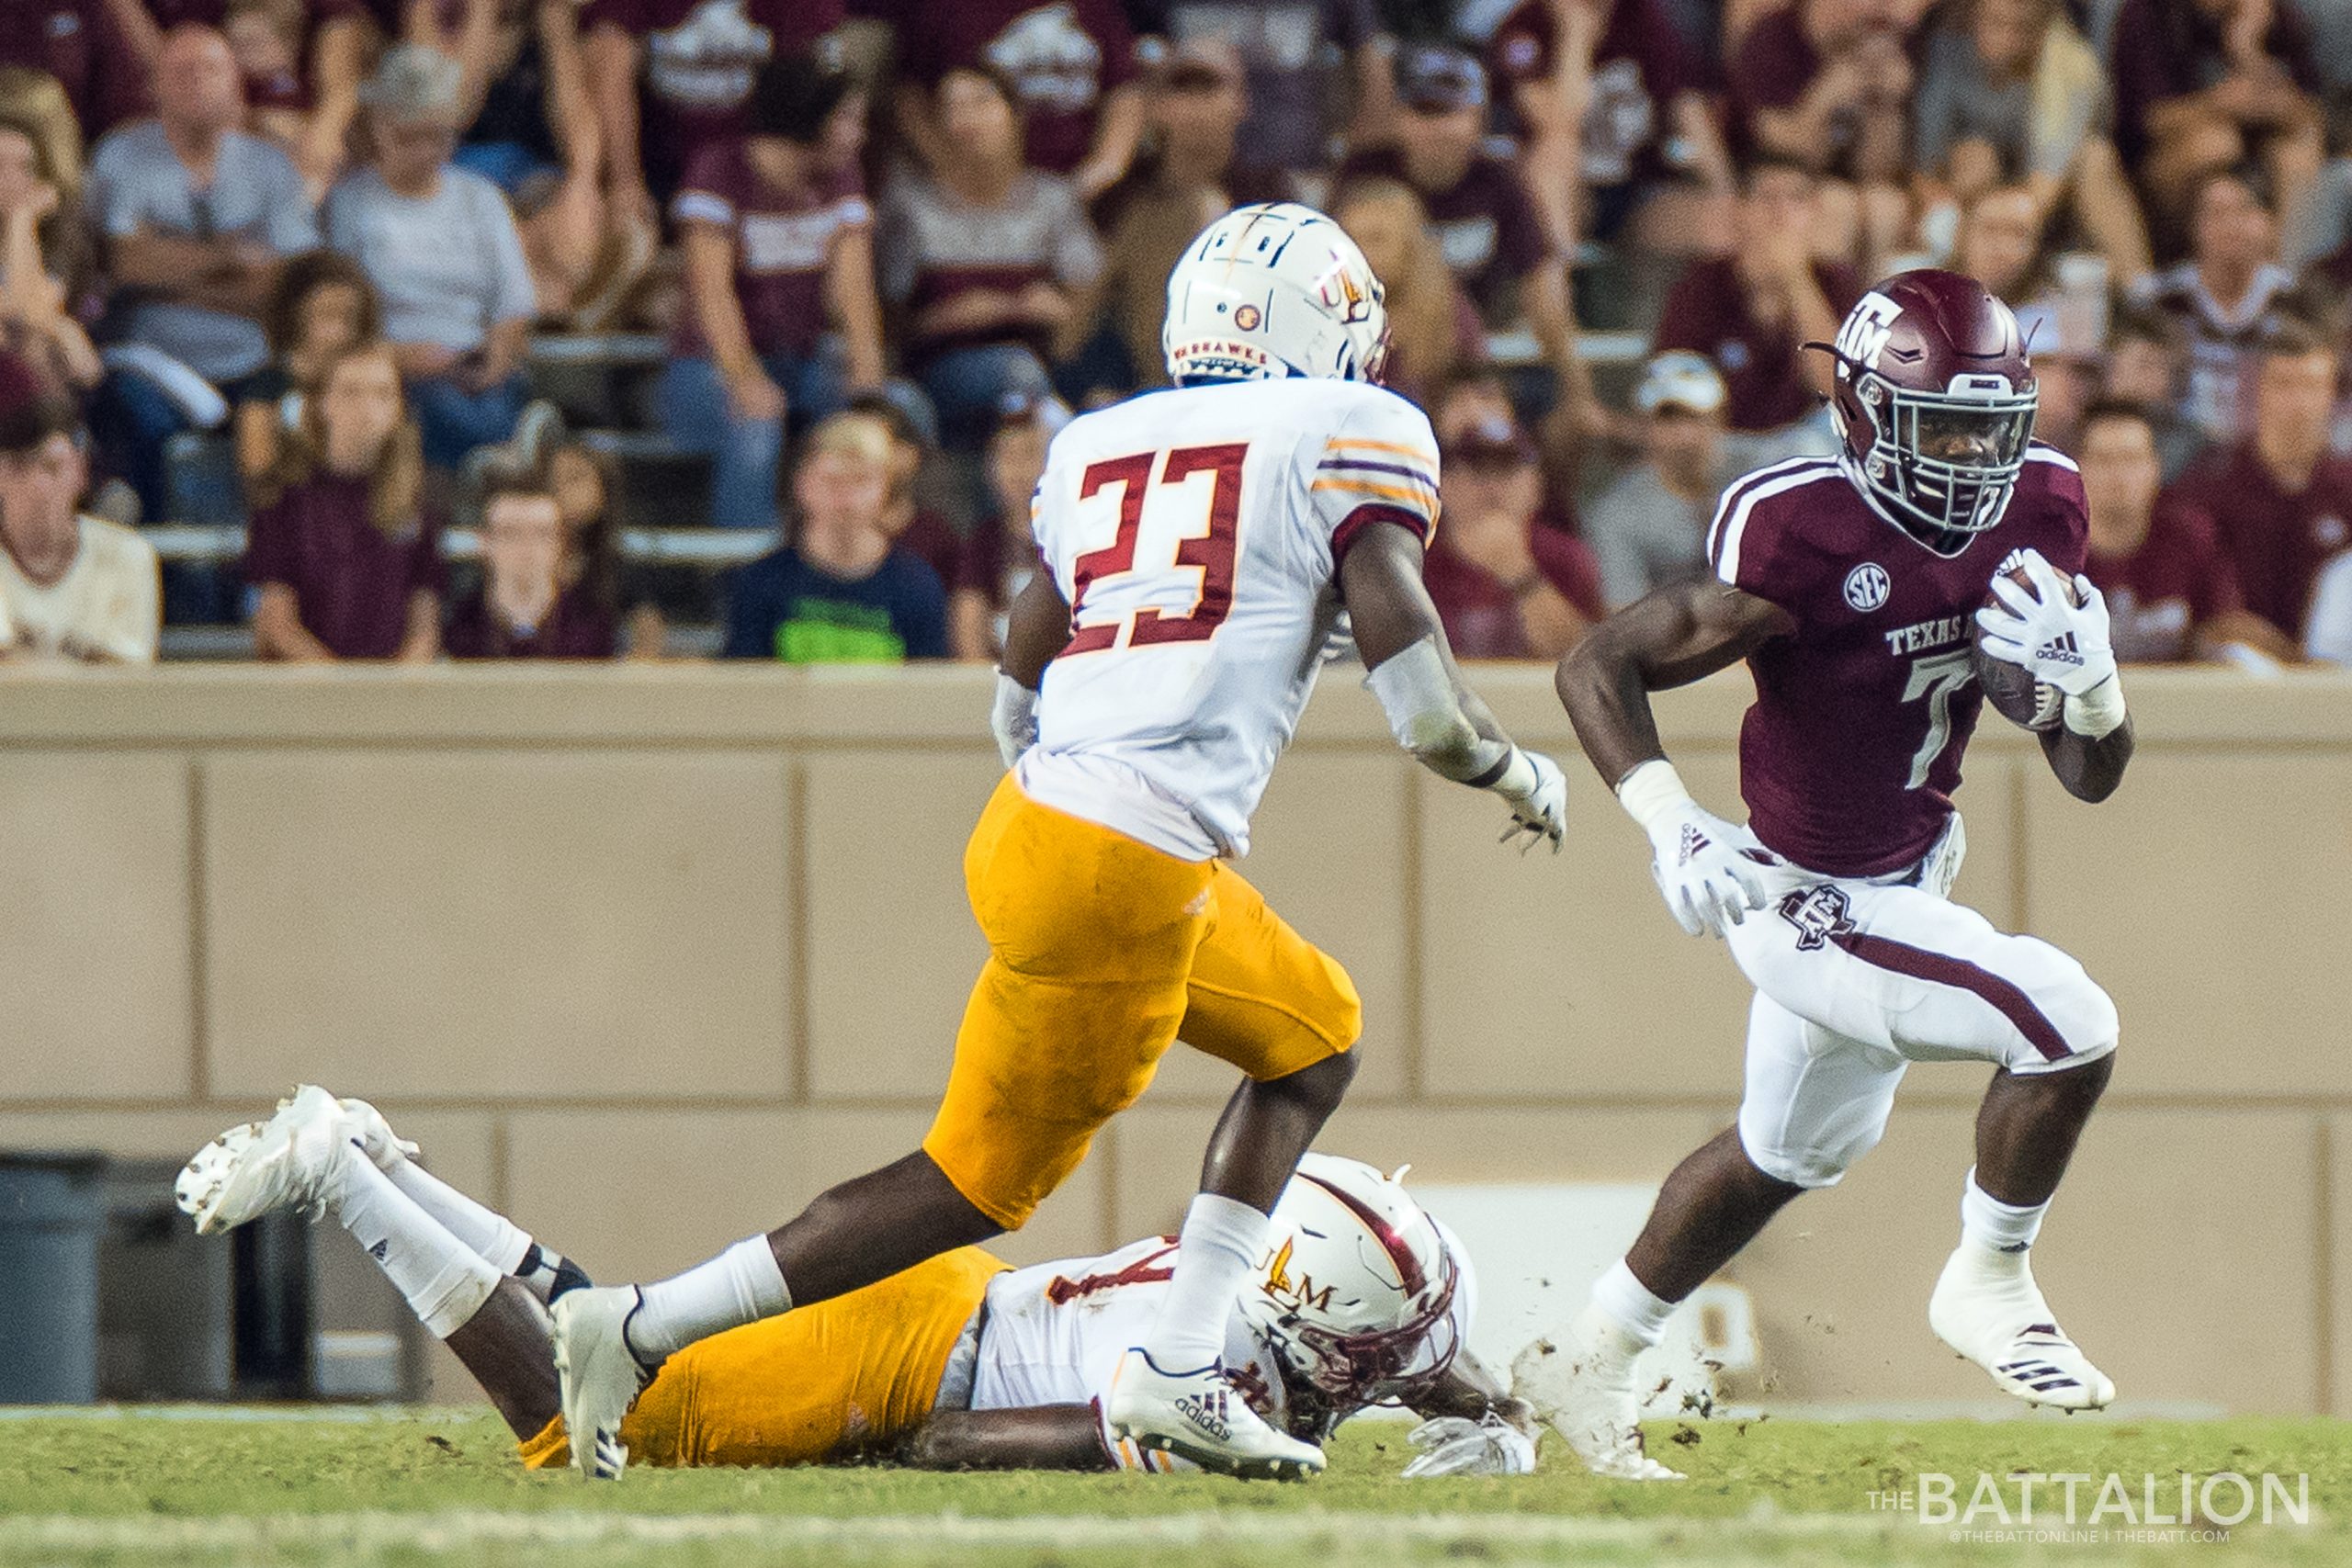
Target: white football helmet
(1359,1291)
(1271,291)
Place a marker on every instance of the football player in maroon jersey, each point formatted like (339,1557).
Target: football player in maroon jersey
(1853,586)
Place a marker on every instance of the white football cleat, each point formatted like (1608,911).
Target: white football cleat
(1987,1307)
(1585,1389)
(374,1134)
(263,1167)
(599,1374)
(1197,1415)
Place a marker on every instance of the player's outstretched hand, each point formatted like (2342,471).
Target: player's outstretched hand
(1541,812)
(1707,874)
(2066,645)
(1455,1445)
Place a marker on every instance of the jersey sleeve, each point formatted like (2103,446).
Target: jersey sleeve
(2070,521)
(1379,465)
(1743,540)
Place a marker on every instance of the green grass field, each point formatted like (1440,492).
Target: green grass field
(436,1487)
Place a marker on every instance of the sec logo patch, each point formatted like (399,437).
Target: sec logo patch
(1247,318)
(1867,586)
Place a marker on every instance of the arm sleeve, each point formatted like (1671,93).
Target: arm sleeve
(1379,465)
(703,193)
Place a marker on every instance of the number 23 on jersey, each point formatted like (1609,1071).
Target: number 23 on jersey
(1151,482)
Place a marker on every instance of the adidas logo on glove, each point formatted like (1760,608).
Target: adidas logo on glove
(2062,650)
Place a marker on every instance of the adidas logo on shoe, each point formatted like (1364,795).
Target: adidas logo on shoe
(1206,1412)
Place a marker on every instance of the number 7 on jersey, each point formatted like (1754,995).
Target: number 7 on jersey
(1211,554)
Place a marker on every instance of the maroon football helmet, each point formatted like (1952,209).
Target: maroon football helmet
(1934,403)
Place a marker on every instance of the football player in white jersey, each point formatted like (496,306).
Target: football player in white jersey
(1201,545)
(1361,1298)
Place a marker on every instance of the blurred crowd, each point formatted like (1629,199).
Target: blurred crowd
(296,270)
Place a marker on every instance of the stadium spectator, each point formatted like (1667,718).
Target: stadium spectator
(1189,172)
(1751,312)
(265,39)
(72,587)
(1432,326)
(1614,116)
(913,524)
(775,243)
(2144,361)
(698,59)
(533,602)
(197,218)
(586,485)
(2282,501)
(440,245)
(323,305)
(2172,594)
(346,558)
(315,95)
(1649,527)
(33,99)
(2227,295)
(1493,238)
(530,129)
(1071,67)
(993,261)
(2203,86)
(1000,554)
(1827,84)
(2010,94)
(840,593)
(44,263)
(1509,580)
(101,69)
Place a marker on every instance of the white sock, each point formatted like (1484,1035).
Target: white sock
(2004,1227)
(444,1280)
(1632,1305)
(494,1237)
(1220,1247)
(741,1285)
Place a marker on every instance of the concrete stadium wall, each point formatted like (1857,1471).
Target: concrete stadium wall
(648,956)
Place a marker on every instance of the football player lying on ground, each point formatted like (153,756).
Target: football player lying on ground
(1853,586)
(959,1362)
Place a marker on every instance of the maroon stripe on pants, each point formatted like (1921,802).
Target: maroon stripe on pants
(1945,970)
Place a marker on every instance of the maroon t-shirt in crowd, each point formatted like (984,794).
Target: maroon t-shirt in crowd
(1066,56)
(2159,594)
(1707,312)
(784,239)
(932,540)
(700,58)
(1773,66)
(2165,48)
(351,578)
(1640,65)
(1848,759)
(1485,223)
(77,42)
(1478,609)
(2277,539)
(574,628)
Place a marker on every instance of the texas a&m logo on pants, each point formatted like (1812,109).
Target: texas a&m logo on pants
(1819,914)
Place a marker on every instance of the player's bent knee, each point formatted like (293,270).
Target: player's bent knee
(1809,1166)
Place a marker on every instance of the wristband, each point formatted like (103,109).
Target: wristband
(2097,712)
(1652,792)
(1515,777)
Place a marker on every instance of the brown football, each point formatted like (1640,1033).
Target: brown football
(2011,689)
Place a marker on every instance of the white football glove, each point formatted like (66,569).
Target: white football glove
(1013,719)
(1539,804)
(1455,1445)
(1698,859)
(2064,645)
